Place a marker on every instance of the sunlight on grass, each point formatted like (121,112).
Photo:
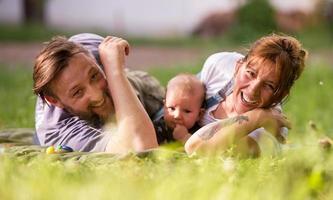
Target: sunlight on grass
(299,174)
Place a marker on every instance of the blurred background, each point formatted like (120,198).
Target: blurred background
(206,26)
(168,18)
(168,37)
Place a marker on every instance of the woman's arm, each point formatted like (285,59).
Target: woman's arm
(135,129)
(220,136)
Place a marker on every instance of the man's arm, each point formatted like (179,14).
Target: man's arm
(135,129)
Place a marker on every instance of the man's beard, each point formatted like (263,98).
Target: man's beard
(90,116)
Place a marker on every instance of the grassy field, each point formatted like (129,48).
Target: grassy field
(302,172)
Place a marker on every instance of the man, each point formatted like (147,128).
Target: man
(76,98)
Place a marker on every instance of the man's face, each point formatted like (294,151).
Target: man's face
(82,90)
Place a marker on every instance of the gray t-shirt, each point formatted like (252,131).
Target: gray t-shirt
(55,126)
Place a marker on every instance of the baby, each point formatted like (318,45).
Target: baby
(183,107)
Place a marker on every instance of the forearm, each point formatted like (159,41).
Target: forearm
(219,136)
(135,128)
(219,142)
(222,136)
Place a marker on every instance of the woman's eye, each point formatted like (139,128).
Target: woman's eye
(271,87)
(187,111)
(250,73)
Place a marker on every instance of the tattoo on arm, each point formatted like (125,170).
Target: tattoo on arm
(208,131)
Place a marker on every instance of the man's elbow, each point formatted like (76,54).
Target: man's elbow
(144,144)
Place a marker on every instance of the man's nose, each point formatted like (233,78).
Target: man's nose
(95,94)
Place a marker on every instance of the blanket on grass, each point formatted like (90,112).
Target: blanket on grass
(18,142)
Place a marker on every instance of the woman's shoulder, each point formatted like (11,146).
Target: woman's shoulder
(219,67)
(221,62)
(225,57)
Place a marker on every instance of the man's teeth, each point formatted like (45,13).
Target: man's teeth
(100,103)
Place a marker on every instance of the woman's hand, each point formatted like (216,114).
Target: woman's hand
(270,119)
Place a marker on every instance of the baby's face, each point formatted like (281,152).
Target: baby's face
(181,108)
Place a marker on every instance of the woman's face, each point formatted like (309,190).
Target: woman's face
(256,80)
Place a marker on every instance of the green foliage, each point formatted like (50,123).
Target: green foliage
(255,18)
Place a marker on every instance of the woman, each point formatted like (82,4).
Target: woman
(249,89)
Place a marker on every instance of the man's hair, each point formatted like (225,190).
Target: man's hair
(188,83)
(288,56)
(52,59)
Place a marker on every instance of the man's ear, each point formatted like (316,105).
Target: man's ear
(54,101)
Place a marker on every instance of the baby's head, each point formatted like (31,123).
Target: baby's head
(184,99)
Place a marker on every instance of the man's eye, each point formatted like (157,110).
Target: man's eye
(78,93)
(94,76)
(187,111)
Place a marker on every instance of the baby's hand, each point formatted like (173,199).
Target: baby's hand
(180,133)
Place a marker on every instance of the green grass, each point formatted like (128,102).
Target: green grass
(27,33)
(310,101)
(304,172)
(16,98)
(299,174)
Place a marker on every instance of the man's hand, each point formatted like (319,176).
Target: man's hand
(180,133)
(112,52)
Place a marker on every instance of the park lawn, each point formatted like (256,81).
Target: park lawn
(304,171)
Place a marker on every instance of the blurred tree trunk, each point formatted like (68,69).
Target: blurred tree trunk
(33,11)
